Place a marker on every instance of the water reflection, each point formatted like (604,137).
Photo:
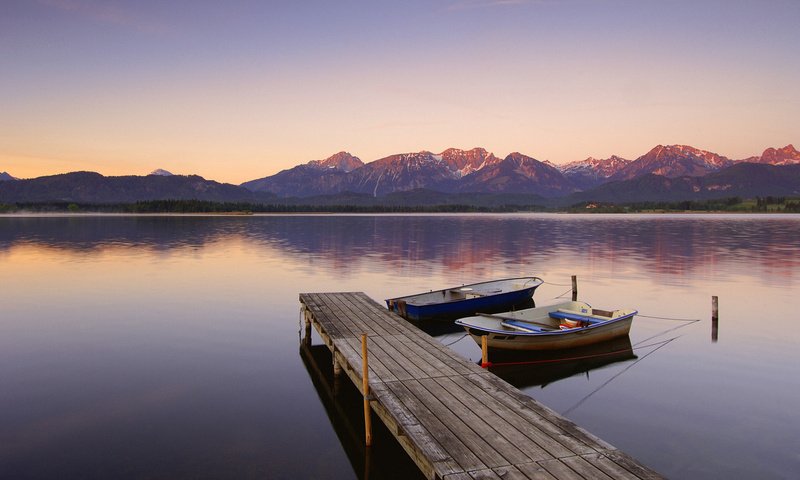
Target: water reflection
(666,246)
(168,343)
(343,404)
(530,369)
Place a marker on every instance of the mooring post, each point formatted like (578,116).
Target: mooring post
(485,351)
(574,288)
(365,388)
(714,318)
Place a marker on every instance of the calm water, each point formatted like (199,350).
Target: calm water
(168,347)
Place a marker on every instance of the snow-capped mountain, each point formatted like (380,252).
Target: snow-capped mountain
(317,177)
(464,162)
(6,177)
(787,155)
(161,173)
(591,172)
(674,161)
(409,171)
(518,173)
(341,161)
(400,172)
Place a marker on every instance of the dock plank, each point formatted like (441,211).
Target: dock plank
(502,421)
(482,440)
(465,457)
(557,428)
(456,420)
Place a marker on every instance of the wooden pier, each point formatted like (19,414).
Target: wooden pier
(455,419)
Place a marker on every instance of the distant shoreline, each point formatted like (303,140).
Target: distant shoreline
(28,214)
(766,205)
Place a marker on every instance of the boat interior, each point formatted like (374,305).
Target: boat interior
(470,291)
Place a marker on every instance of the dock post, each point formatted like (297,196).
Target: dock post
(714,318)
(337,375)
(307,329)
(484,351)
(574,288)
(365,388)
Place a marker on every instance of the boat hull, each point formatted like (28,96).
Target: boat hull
(553,340)
(555,327)
(446,305)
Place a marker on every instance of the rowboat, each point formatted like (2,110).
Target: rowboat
(564,325)
(450,303)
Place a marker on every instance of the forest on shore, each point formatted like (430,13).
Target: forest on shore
(731,204)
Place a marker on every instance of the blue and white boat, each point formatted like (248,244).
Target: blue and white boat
(559,326)
(450,303)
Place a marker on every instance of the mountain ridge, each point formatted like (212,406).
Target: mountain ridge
(477,170)
(663,172)
(92,187)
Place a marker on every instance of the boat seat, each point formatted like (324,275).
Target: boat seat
(580,317)
(523,326)
(466,293)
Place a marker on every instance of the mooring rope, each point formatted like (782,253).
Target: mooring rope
(687,322)
(455,341)
(670,318)
(557,284)
(568,291)
(582,400)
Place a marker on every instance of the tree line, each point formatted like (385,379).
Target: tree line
(731,204)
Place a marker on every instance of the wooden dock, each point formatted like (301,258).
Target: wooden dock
(455,419)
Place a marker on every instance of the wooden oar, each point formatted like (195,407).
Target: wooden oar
(503,317)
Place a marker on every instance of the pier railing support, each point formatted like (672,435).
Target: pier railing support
(365,388)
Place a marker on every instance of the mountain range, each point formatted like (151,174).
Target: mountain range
(479,171)
(666,172)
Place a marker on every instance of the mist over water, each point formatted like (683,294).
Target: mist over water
(168,346)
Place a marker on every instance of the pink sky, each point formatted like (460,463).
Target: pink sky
(242,90)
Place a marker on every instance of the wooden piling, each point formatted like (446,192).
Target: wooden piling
(337,367)
(365,389)
(337,375)
(714,318)
(307,328)
(485,351)
(574,288)
(714,308)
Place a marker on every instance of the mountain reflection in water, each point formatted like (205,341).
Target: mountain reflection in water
(664,245)
(344,405)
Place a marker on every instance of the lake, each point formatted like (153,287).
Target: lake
(169,346)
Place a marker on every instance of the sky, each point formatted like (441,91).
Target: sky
(239,90)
